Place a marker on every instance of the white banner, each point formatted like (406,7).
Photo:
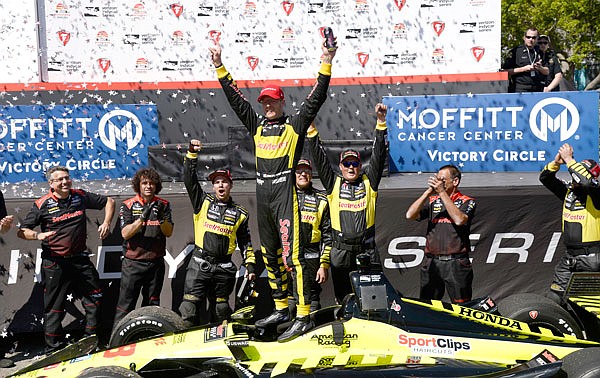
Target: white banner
(160,41)
(18,42)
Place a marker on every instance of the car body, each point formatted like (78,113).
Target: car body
(375,330)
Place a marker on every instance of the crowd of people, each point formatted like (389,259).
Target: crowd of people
(306,234)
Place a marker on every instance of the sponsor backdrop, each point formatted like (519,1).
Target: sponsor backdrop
(516,243)
(19,52)
(479,132)
(95,142)
(270,39)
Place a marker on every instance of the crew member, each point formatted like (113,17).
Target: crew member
(580,216)
(61,215)
(146,222)
(352,198)
(446,265)
(315,247)
(278,141)
(218,224)
(6,222)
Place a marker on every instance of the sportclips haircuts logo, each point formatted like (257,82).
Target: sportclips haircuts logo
(120,125)
(566,119)
(433,345)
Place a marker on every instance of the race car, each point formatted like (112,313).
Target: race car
(374,332)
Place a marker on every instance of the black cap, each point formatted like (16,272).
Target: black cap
(304,162)
(349,153)
(220,172)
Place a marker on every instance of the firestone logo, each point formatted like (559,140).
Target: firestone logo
(567,120)
(438,27)
(120,125)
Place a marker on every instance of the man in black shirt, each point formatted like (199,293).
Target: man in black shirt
(65,256)
(524,65)
(550,60)
(6,222)
(146,223)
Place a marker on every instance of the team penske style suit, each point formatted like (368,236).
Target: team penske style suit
(580,221)
(277,145)
(66,264)
(143,266)
(352,209)
(446,265)
(315,244)
(217,226)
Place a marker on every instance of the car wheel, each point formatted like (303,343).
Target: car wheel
(108,372)
(539,311)
(143,323)
(584,363)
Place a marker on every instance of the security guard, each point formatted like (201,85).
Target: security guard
(218,224)
(524,65)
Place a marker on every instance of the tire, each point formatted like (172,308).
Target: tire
(539,311)
(143,323)
(584,363)
(108,372)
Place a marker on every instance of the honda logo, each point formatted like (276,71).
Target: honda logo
(566,120)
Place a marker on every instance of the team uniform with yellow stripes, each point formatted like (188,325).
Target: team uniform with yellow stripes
(315,243)
(352,209)
(580,221)
(277,145)
(217,227)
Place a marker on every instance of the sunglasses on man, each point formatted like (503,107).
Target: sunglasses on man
(352,163)
(542,42)
(531,36)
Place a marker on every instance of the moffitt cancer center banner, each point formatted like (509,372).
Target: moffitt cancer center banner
(490,132)
(95,142)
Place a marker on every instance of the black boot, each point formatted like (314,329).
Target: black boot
(301,325)
(277,317)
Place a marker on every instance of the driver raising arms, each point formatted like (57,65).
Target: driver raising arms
(278,141)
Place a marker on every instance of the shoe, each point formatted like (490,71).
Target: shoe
(51,349)
(6,363)
(277,317)
(300,326)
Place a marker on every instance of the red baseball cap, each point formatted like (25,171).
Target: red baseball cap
(271,90)
(220,172)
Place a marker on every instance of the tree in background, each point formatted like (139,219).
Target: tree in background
(572,26)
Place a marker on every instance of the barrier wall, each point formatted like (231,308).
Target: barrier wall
(515,234)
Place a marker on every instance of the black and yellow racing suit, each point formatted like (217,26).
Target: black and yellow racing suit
(277,145)
(217,227)
(352,209)
(580,221)
(315,244)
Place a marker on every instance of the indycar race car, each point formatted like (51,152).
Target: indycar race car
(374,332)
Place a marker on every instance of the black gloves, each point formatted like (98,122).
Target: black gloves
(147,211)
